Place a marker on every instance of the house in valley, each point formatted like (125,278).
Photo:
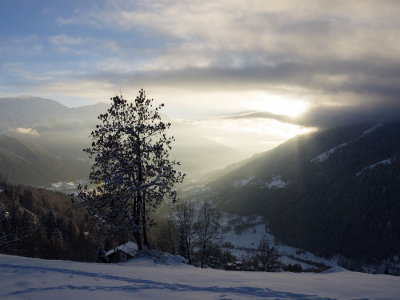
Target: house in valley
(122,253)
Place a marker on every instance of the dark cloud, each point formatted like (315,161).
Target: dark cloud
(262,115)
(326,117)
(343,91)
(331,116)
(375,78)
(341,56)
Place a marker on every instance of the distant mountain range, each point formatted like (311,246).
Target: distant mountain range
(55,136)
(44,114)
(41,141)
(25,163)
(330,192)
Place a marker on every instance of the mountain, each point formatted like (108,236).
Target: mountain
(41,141)
(41,223)
(63,132)
(25,163)
(58,131)
(330,192)
(39,113)
(25,111)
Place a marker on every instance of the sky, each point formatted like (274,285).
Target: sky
(246,74)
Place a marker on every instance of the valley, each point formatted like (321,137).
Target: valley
(332,193)
(199,149)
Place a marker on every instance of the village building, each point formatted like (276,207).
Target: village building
(122,253)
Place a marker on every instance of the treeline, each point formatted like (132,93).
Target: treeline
(45,224)
(192,230)
(195,231)
(41,223)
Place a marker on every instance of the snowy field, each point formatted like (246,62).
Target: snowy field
(28,278)
(251,235)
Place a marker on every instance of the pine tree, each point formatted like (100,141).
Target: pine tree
(101,255)
(132,168)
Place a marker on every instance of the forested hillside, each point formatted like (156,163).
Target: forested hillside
(41,223)
(331,192)
(23,162)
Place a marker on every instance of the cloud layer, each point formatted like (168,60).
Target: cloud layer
(205,58)
(29,131)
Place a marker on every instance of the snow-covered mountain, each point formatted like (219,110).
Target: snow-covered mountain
(142,278)
(330,192)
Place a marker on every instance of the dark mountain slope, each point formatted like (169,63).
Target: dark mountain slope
(41,223)
(330,192)
(24,163)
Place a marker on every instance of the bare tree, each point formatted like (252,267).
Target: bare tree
(185,219)
(207,229)
(267,255)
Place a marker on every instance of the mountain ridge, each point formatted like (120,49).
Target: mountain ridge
(64,132)
(25,163)
(346,202)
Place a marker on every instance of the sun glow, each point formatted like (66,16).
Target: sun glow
(278,104)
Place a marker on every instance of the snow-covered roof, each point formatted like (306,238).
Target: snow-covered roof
(129,248)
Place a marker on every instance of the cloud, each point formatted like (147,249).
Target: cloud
(83,45)
(26,46)
(312,44)
(283,28)
(340,57)
(327,116)
(27,131)
(247,136)
(263,115)
(62,40)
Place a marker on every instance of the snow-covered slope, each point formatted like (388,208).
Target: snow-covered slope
(28,278)
(245,232)
(324,156)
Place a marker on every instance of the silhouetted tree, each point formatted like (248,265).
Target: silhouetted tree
(132,168)
(185,219)
(100,255)
(207,229)
(267,255)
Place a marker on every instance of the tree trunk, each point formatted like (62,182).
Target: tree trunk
(203,252)
(136,233)
(144,229)
(142,200)
(188,251)
(138,240)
